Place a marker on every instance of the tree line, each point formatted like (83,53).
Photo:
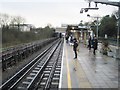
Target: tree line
(14,36)
(6,20)
(108,26)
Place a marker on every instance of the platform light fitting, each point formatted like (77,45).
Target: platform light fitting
(86,10)
(88,15)
(89,4)
(81,11)
(95,4)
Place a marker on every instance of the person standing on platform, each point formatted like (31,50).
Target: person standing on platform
(89,42)
(75,45)
(95,45)
(71,40)
(66,38)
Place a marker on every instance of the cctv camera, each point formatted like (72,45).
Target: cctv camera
(86,10)
(81,11)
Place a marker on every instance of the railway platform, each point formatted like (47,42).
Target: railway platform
(88,70)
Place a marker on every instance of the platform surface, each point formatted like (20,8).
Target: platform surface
(88,70)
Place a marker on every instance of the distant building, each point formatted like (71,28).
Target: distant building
(60,29)
(81,33)
(64,25)
(22,27)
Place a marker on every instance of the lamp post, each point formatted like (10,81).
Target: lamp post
(97,24)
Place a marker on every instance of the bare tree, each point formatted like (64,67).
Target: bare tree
(17,20)
(13,21)
(4,19)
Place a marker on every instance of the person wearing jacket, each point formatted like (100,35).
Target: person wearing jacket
(89,42)
(75,45)
(95,45)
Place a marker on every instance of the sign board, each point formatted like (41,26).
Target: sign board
(64,25)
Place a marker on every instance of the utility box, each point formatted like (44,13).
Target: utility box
(117,54)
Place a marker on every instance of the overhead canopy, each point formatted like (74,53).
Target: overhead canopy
(76,27)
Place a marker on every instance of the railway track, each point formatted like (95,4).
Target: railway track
(41,73)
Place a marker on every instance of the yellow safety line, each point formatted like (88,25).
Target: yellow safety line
(81,75)
(68,72)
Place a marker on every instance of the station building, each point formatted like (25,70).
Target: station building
(81,33)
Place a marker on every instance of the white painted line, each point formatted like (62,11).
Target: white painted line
(60,83)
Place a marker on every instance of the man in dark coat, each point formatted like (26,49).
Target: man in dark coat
(66,38)
(89,43)
(75,45)
(95,45)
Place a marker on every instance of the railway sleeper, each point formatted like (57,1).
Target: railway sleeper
(30,78)
(54,85)
(37,68)
(58,68)
(46,72)
(48,68)
(20,88)
(45,78)
(59,65)
(55,79)
(57,75)
(57,72)
(32,74)
(25,82)
(42,83)
(35,71)
(46,75)
(41,86)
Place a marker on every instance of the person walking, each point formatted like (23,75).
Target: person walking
(95,45)
(75,45)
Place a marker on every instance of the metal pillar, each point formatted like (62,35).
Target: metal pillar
(118,32)
(81,35)
(118,36)
(85,36)
(97,28)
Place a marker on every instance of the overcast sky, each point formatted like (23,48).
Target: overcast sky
(55,12)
